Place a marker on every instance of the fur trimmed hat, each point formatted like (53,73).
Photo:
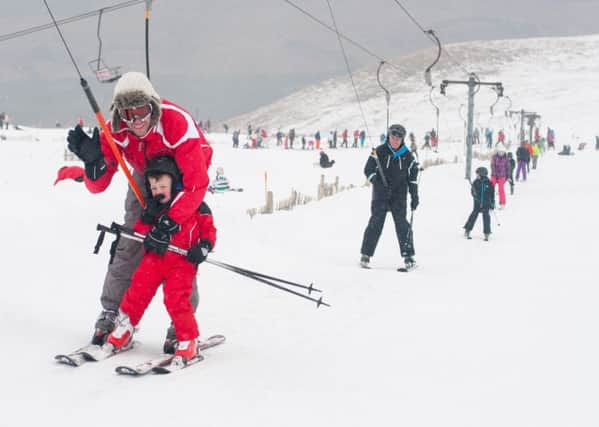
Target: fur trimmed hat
(134,90)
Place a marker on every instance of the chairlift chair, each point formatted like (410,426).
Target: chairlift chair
(103,73)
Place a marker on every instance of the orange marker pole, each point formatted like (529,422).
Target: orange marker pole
(111,143)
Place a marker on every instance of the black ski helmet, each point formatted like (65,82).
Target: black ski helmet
(482,171)
(397,130)
(160,166)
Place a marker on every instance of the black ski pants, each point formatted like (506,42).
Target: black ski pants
(378,214)
(474,215)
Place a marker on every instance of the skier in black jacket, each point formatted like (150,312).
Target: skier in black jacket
(389,193)
(483,194)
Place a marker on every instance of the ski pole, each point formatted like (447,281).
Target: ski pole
(247,272)
(240,270)
(496,218)
(121,231)
(100,118)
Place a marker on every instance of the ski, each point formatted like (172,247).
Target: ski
(89,353)
(166,363)
(74,358)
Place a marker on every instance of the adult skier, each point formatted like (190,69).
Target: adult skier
(392,177)
(144,126)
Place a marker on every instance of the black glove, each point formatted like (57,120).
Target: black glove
(414,202)
(84,147)
(198,253)
(159,237)
(492,206)
(88,149)
(152,210)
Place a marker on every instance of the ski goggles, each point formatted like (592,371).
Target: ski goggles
(396,132)
(142,113)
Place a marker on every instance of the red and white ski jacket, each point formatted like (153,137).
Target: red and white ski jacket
(176,135)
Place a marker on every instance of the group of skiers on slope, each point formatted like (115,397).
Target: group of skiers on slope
(502,171)
(170,158)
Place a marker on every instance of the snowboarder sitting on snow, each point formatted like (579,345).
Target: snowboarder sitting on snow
(159,266)
(566,151)
(324,160)
(484,199)
(220,183)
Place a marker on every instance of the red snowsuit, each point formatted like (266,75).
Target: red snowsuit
(176,135)
(172,270)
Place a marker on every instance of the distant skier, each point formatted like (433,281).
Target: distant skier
(522,157)
(550,139)
(500,172)
(220,183)
(536,152)
(484,199)
(390,187)
(512,169)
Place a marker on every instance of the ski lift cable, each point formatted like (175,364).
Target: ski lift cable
(430,34)
(349,71)
(387,93)
(85,15)
(99,39)
(341,35)
(427,72)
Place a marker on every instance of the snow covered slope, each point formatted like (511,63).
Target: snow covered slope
(481,334)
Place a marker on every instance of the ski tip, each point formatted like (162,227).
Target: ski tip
(126,370)
(64,359)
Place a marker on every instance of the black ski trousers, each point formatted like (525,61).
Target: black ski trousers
(474,215)
(378,213)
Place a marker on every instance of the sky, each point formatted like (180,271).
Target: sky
(221,59)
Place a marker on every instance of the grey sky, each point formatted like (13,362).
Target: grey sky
(222,58)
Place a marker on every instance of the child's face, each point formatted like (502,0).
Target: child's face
(161,185)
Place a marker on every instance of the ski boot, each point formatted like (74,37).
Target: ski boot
(409,264)
(364,261)
(186,351)
(487,236)
(467,234)
(170,342)
(122,337)
(105,324)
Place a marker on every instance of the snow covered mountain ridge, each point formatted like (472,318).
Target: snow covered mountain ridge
(532,71)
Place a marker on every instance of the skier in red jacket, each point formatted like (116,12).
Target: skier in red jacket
(144,127)
(160,266)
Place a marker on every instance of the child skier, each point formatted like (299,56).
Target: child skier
(159,266)
(484,199)
(220,183)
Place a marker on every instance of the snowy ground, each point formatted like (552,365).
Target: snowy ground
(482,334)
